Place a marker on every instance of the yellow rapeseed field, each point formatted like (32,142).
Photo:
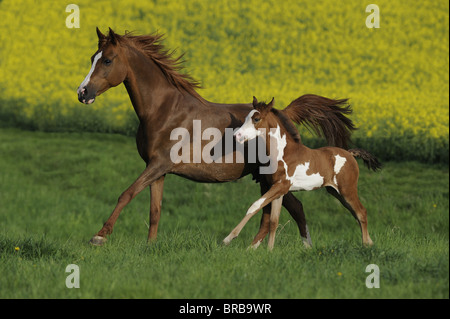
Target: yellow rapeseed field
(396,76)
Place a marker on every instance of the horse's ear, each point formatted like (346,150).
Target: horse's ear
(255,102)
(270,105)
(112,36)
(100,35)
(101,38)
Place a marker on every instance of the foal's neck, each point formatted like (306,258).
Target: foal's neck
(274,125)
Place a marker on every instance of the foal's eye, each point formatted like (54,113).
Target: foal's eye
(107,62)
(256,119)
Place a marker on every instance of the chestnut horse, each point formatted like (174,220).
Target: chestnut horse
(165,99)
(301,168)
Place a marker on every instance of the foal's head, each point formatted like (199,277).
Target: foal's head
(255,121)
(261,119)
(109,68)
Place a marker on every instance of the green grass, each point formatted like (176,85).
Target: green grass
(56,190)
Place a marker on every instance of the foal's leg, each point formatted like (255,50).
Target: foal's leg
(147,177)
(274,192)
(156,194)
(295,209)
(265,218)
(274,217)
(350,200)
(263,227)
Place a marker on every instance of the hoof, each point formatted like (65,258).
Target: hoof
(97,241)
(227,240)
(307,242)
(255,246)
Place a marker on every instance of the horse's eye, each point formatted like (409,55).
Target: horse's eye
(256,120)
(107,62)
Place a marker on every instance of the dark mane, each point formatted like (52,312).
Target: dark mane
(288,125)
(170,65)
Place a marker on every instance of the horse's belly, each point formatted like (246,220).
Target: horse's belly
(213,172)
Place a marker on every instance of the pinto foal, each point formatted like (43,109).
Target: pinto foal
(301,168)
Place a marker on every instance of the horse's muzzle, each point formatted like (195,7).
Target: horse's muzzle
(84,96)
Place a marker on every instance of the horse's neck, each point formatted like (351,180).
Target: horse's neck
(148,87)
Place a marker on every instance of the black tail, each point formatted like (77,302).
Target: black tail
(369,160)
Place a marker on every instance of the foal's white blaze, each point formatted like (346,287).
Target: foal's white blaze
(300,180)
(338,164)
(247,131)
(88,77)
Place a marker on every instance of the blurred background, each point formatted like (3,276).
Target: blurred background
(395,76)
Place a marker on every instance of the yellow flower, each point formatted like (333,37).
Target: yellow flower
(434,205)
(16,248)
(339,273)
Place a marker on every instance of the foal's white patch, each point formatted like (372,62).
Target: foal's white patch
(88,77)
(256,205)
(338,164)
(300,180)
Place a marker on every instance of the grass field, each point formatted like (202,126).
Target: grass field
(56,190)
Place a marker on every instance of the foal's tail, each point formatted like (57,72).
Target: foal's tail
(325,117)
(369,160)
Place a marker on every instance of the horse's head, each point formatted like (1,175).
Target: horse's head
(254,121)
(109,68)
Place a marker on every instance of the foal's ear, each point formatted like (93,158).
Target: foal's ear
(255,102)
(112,36)
(270,105)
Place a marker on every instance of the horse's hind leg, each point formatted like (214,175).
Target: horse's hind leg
(274,218)
(350,200)
(263,227)
(156,194)
(295,208)
(265,219)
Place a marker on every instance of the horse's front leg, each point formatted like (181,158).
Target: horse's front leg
(147,177)
(156,195)
(274,192)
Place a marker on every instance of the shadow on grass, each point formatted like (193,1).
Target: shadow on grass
(31,248)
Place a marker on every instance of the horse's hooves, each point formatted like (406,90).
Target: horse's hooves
(97,241)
